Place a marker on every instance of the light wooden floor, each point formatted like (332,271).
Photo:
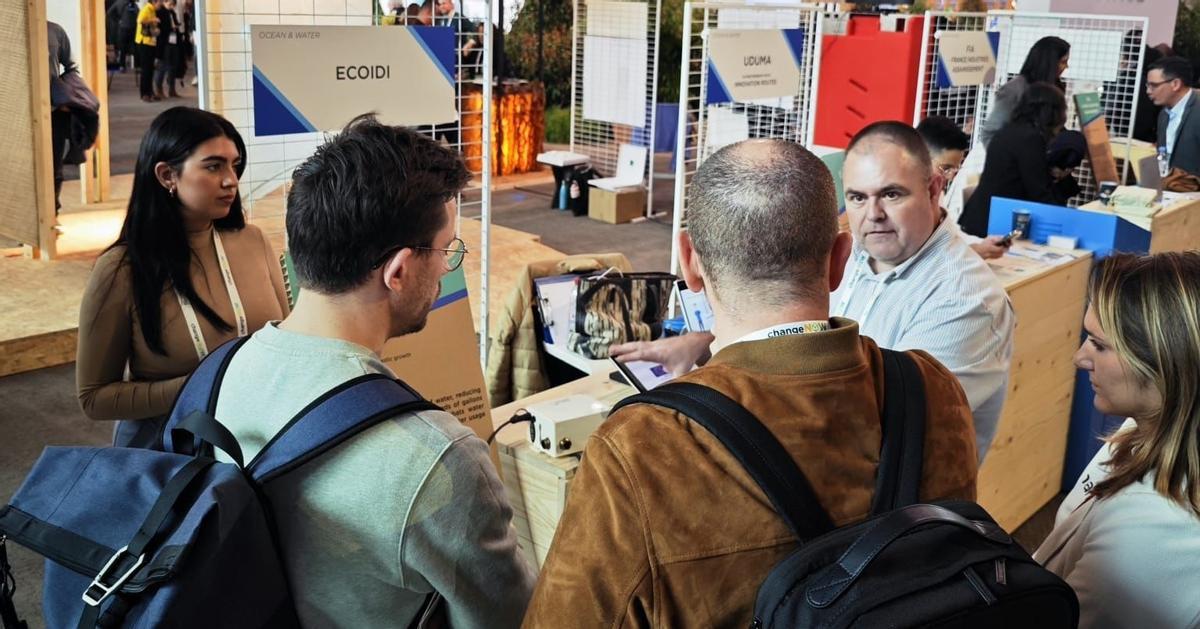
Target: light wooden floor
(40,300)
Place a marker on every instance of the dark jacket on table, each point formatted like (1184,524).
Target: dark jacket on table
(1187,143)
(663,527)
(1015,168)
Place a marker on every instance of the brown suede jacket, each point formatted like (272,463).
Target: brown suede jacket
(663,527)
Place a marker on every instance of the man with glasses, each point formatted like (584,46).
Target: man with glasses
(412,505)
(1169,85)
(911,281)
(948,146)
(662,526)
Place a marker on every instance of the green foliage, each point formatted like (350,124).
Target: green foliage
(918,7)
(521,47)
(670,50)
(1187,32)
(558,125)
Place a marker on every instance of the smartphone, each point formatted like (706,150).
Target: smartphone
(697,314)
(1007,240)
(643,375)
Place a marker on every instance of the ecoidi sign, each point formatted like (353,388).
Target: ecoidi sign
(317,78)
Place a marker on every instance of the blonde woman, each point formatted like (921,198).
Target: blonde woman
(1127,537)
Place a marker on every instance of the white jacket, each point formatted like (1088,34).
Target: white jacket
(1133,558)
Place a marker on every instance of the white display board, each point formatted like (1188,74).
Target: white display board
(704,126)
(312,78)
(1162,14)
(614,80)
(1095,55)
(225,70)
(606,18)
(749,65)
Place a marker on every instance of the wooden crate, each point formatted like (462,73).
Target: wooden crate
(621,206)
(537,487)
(537,484)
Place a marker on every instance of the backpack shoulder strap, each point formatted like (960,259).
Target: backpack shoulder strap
(338,415)
(763,457)
(199,392)
(898,480)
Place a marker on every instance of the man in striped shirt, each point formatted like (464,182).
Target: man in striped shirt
(911,281)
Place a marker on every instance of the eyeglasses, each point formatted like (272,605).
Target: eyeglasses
(1155,84)
(947,171)
(455,254)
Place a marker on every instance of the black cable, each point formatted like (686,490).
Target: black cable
(518,417)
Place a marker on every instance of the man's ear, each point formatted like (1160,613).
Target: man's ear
(937,183)
(397,271)
(838,255)
(689,263)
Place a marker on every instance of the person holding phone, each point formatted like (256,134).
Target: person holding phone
(1018,165)
(948,146)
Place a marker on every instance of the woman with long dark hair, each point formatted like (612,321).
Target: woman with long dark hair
(1016,165)
(1045,63)
(1127,536)
(185,275)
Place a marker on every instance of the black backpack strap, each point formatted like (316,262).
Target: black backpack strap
(764,458)
(339,414)
(898,480)
(8,587)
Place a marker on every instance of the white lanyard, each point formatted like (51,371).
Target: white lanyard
(844,302)
(189,313)
(786,329)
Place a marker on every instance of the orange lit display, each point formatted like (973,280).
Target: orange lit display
(518,126)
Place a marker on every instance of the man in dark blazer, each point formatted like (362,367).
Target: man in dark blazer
(1169,85)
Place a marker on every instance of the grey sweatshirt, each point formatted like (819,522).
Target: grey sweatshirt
(411,505)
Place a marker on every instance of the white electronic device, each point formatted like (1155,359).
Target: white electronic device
(561,427)
(697,313)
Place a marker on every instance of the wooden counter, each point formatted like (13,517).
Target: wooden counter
(1024,466)
(1173,228)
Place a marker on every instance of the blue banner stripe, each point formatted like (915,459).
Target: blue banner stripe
(717,92)
(438,43)
(795,40)
(281,100)
(446,300)
(943,75)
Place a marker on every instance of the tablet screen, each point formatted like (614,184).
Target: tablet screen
(644,375)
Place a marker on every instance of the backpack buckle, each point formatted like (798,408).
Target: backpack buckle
(94,598)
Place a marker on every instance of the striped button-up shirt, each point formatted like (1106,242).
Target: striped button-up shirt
(944,300)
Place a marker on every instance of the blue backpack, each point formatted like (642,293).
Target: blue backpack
(150,538)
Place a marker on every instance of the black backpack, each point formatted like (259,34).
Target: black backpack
(908,565)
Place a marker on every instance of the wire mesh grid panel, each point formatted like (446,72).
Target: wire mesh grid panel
(705,127)
(226,89)
(225,68)
(614,82)
(1106,58)
(934,98)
